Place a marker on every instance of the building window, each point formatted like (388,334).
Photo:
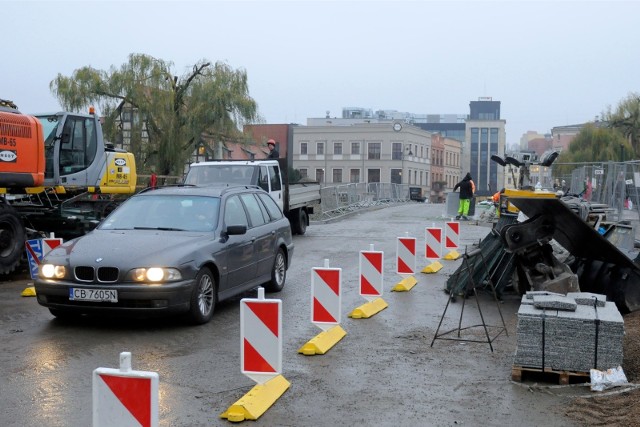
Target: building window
(304,172)
(355,148)
(303,148)
(320,148)
(354,175)
(337,175)
(396,151)
(396,176)
(320,175)
(337,148)
(374,151)
(374,175)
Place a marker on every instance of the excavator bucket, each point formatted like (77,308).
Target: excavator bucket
(600,265)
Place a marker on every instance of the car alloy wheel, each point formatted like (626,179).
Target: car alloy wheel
(278,273)
(204,297)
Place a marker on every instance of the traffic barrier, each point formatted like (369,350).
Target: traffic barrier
(434,267)
(326,304)
(405,263)
(124,397)
(451,239)
(36,250)
(452,255)
(261,357)
(371,284)
(433,248)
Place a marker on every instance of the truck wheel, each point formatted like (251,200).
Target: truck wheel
(301,222)
(11,239)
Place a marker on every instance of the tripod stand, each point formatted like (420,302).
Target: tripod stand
(471,261)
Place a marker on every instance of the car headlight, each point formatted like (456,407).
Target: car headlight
(156,274)
(52,271)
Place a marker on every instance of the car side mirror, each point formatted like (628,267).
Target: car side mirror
(235,230)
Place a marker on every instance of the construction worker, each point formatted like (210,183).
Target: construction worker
(273,151)
(496,201)
(467,188)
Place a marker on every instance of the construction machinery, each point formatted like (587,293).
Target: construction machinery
(57,175)
(543,242)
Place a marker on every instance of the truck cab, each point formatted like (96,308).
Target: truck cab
(265,174)
(296,200)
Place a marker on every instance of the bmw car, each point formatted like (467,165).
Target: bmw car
(168,250)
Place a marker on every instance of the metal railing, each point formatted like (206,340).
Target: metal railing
(342,199)
(614,184)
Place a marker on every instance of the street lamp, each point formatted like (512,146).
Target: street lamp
(200,151)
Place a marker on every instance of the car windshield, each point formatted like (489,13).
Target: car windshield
(165,212)
(210,174)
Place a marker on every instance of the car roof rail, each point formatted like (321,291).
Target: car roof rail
(146,189)
(232,187)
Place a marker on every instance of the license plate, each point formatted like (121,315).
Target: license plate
(83,294)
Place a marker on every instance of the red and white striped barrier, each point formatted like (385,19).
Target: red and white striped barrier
(326,296)
(406,256)
(371,277)
(261,337)
(433,243)
(451,234)
(123,397)
(37,249)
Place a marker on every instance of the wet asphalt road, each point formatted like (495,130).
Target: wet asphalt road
(384,372)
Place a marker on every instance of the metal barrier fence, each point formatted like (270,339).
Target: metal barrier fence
(616,185)
(341,199)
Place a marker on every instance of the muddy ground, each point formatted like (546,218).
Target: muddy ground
(618,406)
(387,371)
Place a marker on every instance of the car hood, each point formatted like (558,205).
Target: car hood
(133,248)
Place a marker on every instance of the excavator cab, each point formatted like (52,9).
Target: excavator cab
(76,155)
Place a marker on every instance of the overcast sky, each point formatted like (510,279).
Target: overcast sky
(549,63)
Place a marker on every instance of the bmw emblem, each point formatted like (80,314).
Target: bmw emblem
(98,259)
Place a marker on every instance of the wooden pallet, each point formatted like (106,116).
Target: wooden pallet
(549,375)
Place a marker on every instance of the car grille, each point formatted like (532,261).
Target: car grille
(102,275)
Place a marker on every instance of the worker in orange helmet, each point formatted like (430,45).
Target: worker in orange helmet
(273,151)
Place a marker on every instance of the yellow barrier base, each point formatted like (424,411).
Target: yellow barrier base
(405,284)
(29,291)
(369,309)
(323,342)
(257,400)
(434,267)
(452,256)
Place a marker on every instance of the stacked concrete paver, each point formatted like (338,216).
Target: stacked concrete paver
(574,333)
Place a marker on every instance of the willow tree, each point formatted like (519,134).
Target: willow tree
(626,119)
(593,144)
(210,99)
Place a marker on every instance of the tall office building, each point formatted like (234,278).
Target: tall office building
(484,136)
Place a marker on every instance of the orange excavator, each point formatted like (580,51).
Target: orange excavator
(57,175)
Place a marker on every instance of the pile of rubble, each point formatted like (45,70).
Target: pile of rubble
(576,332)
